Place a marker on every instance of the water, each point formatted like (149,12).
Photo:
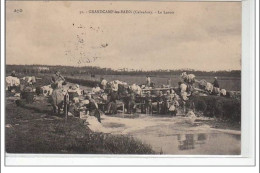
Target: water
(209,143)
(174,135)
(196,144)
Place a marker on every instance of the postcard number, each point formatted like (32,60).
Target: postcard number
(18,10)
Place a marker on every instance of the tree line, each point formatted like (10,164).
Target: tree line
(90,70)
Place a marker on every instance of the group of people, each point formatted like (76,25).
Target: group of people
(164,101)
(116,93)
(161,102)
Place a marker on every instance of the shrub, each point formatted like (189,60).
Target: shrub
(216,106)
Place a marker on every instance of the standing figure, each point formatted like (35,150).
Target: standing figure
(215,83)
(103,83)
(148,81)
(166,102)
(57,94)
(93,109)
(148,103)
(13,74)
(159,102)
(131,107)
(57,80)
(112,107)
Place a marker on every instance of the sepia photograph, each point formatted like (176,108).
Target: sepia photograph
(123,77)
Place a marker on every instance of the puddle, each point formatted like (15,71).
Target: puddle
(173,135)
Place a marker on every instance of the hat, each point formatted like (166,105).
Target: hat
(215,77)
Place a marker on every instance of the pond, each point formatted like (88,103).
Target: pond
(174,135)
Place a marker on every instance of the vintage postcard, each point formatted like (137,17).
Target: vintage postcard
(123,77)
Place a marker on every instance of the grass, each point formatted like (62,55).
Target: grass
(228,83)
(32,129)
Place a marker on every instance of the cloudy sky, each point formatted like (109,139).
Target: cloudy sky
(199,35)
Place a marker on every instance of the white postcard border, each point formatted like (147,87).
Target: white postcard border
(247,157)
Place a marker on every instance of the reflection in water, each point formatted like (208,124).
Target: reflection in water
(191,141)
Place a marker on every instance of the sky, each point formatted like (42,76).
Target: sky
(198,35)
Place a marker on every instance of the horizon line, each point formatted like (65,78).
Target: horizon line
(187,69)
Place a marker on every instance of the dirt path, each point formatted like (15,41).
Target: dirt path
(173,135)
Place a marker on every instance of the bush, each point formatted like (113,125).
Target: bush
(219,107)
(232,110)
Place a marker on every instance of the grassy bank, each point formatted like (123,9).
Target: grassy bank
(33,129)
(219,107)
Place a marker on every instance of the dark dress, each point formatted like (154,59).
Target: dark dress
(215,83)
(131,104)
(112,107)
(148,104)
(159,104)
